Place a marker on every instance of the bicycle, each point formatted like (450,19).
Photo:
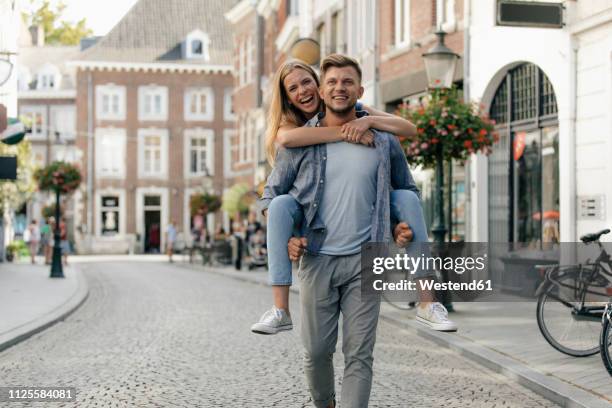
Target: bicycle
(605,340)
(578,332)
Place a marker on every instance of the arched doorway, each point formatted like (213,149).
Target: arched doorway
(524,166)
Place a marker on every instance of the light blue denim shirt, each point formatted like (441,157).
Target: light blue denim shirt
(300,172)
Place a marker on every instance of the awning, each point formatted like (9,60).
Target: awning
(14,132)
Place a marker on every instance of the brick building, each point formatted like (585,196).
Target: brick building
(154,110)
(46,90)
(406,30)
(263,33)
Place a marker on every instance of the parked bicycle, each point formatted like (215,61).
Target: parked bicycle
(570,311)
(605,341)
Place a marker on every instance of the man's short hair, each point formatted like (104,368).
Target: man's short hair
(339,61)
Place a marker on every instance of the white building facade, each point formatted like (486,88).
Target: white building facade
(550,90)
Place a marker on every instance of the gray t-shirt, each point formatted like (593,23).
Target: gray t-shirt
(348,197)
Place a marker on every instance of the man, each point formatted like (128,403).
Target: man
(170,240)
(344,191)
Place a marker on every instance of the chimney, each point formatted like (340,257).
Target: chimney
(38,35)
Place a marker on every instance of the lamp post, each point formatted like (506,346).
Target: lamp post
(440,64)
(57,270)
(307,50)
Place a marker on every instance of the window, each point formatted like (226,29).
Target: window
(246,54)
(37,116)
(249,60)
(63,123)
(153,153)
(228,106)
(152,102)
(109,212)
(48,77)
(402,22)
(196,46)
(199,152)
(322,37)
(445,14)
(110,153)
(110,102)
(336,32)
(292,7)
(246,142)
(199,104)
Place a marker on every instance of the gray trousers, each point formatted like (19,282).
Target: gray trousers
(330,285)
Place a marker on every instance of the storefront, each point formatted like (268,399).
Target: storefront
(523,176)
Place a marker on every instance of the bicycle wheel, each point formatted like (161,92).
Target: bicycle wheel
(605,342)
(566,330)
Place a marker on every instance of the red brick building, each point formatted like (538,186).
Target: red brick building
(46,91)
(263,32)
(154,111)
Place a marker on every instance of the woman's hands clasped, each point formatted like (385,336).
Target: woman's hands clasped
(358,131)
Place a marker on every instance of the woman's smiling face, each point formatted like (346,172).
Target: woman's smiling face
(302,91)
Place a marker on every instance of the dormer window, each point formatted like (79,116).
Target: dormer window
(48,77)
(196,46)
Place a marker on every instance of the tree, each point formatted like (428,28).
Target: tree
(56,32)
(13,194)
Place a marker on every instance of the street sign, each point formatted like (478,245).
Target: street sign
(3,118)
(8,168)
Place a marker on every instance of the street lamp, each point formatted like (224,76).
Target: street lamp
(440,64)
(307,50)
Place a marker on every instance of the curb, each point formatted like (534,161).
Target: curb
(565,394)
(556,390)
(37,325)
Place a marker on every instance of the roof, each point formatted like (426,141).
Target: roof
(34,58)
(153,30)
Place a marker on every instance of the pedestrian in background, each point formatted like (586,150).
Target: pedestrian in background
(170,239)
(46,239)
(64,244)
(32,237)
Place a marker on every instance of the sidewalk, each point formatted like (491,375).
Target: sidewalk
(30,301)
(505,338)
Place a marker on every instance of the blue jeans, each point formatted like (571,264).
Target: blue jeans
(285,215)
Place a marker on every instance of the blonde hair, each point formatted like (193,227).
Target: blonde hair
(281,112)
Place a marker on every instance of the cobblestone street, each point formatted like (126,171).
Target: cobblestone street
(153,334)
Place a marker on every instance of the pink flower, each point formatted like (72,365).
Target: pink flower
(424,146)
(456,133)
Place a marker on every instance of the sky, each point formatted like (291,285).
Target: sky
(101,15)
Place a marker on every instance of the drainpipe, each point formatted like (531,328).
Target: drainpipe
(467,10)
(376,58)
(90,141)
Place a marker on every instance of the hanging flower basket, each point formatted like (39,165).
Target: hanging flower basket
(460,129)
(58,176)
(209,203)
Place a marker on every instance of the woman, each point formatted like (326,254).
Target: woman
(295,100)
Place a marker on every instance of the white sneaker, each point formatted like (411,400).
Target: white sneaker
(435,317)
(272,322)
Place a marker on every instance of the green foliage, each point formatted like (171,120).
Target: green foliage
(59,175)
(18,248)
(14,193)
(48,211)
(56,31)
(237,199)
(209,203)
(445,120)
